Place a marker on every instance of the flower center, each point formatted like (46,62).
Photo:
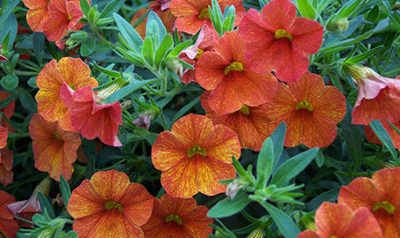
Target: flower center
(304,105)
(204,14)
(57,136)
(199,53)
(110,205)
(385,205)
(332,236)
(234,66)
(196,150)
(245,110)
(281,33)
(174,218)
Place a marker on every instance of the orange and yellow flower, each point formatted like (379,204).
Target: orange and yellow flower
(108,205)
(339,221)
(55,150)
(380,195)
(310,110)
(178,218)
(6,166)
(8,226)
(63,16)
(37,14)
(231,78)
(194,156)
(394,135)
(193,14)
(72,71)
(279,40)
(252,124)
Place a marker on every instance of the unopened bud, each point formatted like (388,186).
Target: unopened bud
(339,25)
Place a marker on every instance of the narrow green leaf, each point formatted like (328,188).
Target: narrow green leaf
(306,9)
(164,49)
(148,50)
(111,7)
(46,205)
(265,163)
(155,29)
(178,49)
(384,137)
(348,9)
(228,207)
(65,190)
(292,167)
(128,33)
(88,47)
(85,7)
(278,137)
(283,221)
(364,56)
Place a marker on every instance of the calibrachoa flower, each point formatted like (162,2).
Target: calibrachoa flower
(37,14)
(55,150)
(108,205)
(394,135)
(193,14)
(231,78)
(72,71)
(310,110)
(339,221)
(194,156)
(3,137)
(6,166)
(378,97)
(92,118)
(8,112)
(63,16)
(252,124)
(8,226)
(205,42)
(277,38)
(178,218)
(380,195)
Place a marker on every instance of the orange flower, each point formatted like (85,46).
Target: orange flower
(380,195)
(63,16)
(37,14)
(165,15)
(70,70)
(55,150)
(394,135)
(339,221)
(8,111)
(250,123)
(177,217)
(310,110)
(231,78)
(8,226)
(3,137)
(277,38)
(6,166)
(194,156)
(108,205)
(193,14)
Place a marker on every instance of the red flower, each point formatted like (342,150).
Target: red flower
(380,195)
(108,205)
(339,221)
(195,156)
(310,110)
(91,118)
(378,97)
(64,16)
(6,166)
(37,14)
(178,218)
(55,150)
(252,124)
(8,112)
(193,14)
(8,226)
(231,78)
(3,137)
(279,39)
(394,135)
(205,42)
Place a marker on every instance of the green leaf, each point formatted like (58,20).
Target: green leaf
(394,17)
(292,167)
(348,9)
(148,50)
(228,207)
(265,163)
(178,49)
(129,34)
(185,109)
(364,56)
(306,9)
(88,47)
(26,99)
(85,7)
(155,29)
(384,137)
(111,7)
(9,82)
(65,190)
(45,205)
(283,221)
(164,49)
(278,137)
(239,168)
